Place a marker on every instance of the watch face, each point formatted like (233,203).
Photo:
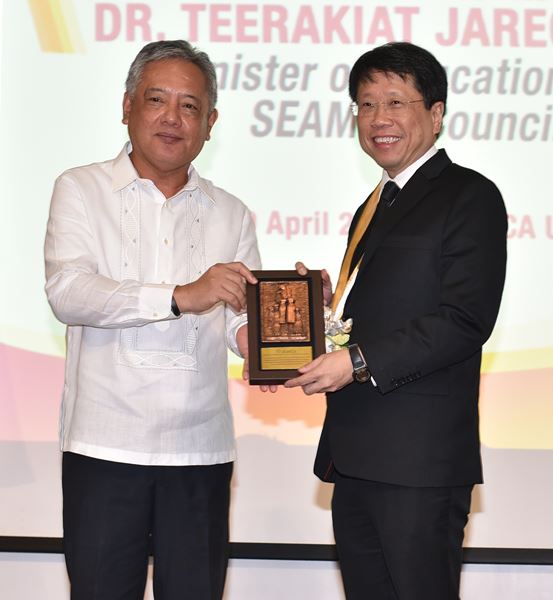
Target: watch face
(361,375)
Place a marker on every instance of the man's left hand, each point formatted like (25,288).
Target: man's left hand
(327,373)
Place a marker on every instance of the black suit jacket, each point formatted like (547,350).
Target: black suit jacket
(424,302)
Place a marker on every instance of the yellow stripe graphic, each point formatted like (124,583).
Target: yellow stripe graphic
(492,362)
(56,26)
(517,360)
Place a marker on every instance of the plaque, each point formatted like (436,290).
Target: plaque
(285,324)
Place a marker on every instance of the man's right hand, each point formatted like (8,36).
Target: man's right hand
(220,283)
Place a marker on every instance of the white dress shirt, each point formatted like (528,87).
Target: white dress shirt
(142,386)
(402,178)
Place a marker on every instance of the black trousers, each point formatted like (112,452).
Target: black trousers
(113,511)
(399,543)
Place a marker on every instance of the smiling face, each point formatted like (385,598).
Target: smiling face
(168,118)
(393,139)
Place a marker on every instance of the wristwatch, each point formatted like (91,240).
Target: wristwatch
(175,307)
(360,369)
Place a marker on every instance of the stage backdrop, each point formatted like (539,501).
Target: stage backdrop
(284,143)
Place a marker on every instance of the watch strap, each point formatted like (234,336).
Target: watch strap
(175,307)
(360,370)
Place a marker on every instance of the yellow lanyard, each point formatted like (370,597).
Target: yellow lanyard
(345,281)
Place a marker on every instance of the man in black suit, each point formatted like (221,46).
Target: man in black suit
(426,273)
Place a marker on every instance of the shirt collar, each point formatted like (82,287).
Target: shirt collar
(124,174)
(402,178)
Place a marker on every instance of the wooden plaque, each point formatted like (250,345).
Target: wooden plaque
(285,324)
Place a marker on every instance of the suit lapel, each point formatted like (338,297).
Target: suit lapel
(414,191)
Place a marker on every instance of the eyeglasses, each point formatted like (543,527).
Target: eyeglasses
(395,106)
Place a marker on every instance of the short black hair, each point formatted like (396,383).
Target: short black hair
(403,59)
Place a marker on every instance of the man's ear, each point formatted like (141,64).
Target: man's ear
(211,121)
(437,112)
(126,108)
